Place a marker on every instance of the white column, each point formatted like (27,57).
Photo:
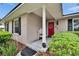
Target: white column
(44,27)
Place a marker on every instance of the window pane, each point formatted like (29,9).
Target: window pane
(6,26)
(70,25)
(12,25)
(16,23)
(76,25)
(18,26)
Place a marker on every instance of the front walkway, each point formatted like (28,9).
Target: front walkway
(37,45)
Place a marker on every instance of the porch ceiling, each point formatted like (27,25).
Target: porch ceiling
(39,13)
(55,10)
(52,10)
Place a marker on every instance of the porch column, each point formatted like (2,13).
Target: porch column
(44,28)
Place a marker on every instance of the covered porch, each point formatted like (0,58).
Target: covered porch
(41,44)
(46,17)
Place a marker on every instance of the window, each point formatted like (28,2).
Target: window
(6,26)
(76,25)
(69,24)
(12,25)
(73,24)
(18,26)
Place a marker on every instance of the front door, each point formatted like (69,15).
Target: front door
(50,29)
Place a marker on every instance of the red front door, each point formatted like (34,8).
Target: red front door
(50,29)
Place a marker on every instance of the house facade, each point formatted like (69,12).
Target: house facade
(26,20)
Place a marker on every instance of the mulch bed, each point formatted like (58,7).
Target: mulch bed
(47,53)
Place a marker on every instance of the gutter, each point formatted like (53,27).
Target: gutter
(13,10)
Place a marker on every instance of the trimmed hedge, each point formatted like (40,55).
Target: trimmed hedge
(5,36)
(64,44)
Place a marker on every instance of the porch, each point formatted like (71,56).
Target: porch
(34,27)
(37,44)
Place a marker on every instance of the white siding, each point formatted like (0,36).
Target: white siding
(34,22)
(62,26)
(30,24)
(23,37)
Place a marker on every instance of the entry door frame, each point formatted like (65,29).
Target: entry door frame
(47,26)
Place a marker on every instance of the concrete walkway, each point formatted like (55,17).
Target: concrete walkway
(36,45)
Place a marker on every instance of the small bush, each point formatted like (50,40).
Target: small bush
(9,50)
(76,32)
(5,36)
(6,48)
(64,44)
(1,29)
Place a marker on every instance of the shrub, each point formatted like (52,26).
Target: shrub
(76,32)
(64,44)
(1,29)
(9,50)
(5,36)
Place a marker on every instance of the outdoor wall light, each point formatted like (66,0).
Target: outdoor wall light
(44,45)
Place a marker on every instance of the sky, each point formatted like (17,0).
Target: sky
(69,8)
(5,8)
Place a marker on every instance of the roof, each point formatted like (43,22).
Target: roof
(26,8)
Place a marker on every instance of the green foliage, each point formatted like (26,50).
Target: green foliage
(76,32)
(1,29)
(9,50)
(64,44)
(5,36)
(6,48)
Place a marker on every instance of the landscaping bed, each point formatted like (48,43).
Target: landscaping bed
(47,53)
(63,44)
(9,47)
(19,47)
